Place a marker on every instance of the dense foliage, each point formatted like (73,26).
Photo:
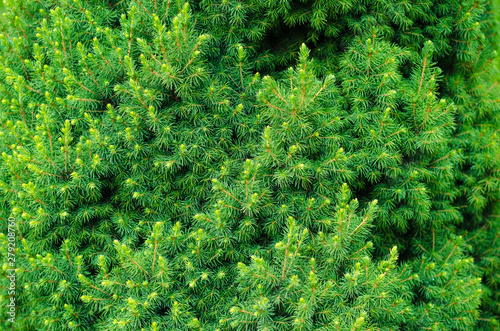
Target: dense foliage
(251,165)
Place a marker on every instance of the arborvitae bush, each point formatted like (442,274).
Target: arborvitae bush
(250,165)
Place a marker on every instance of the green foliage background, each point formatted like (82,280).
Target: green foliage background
(497,12)
(198,167)
(2,11)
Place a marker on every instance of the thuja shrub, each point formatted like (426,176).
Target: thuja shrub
(250,165)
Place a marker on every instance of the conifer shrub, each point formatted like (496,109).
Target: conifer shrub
(250,165)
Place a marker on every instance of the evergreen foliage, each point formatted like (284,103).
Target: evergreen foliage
(251,165)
